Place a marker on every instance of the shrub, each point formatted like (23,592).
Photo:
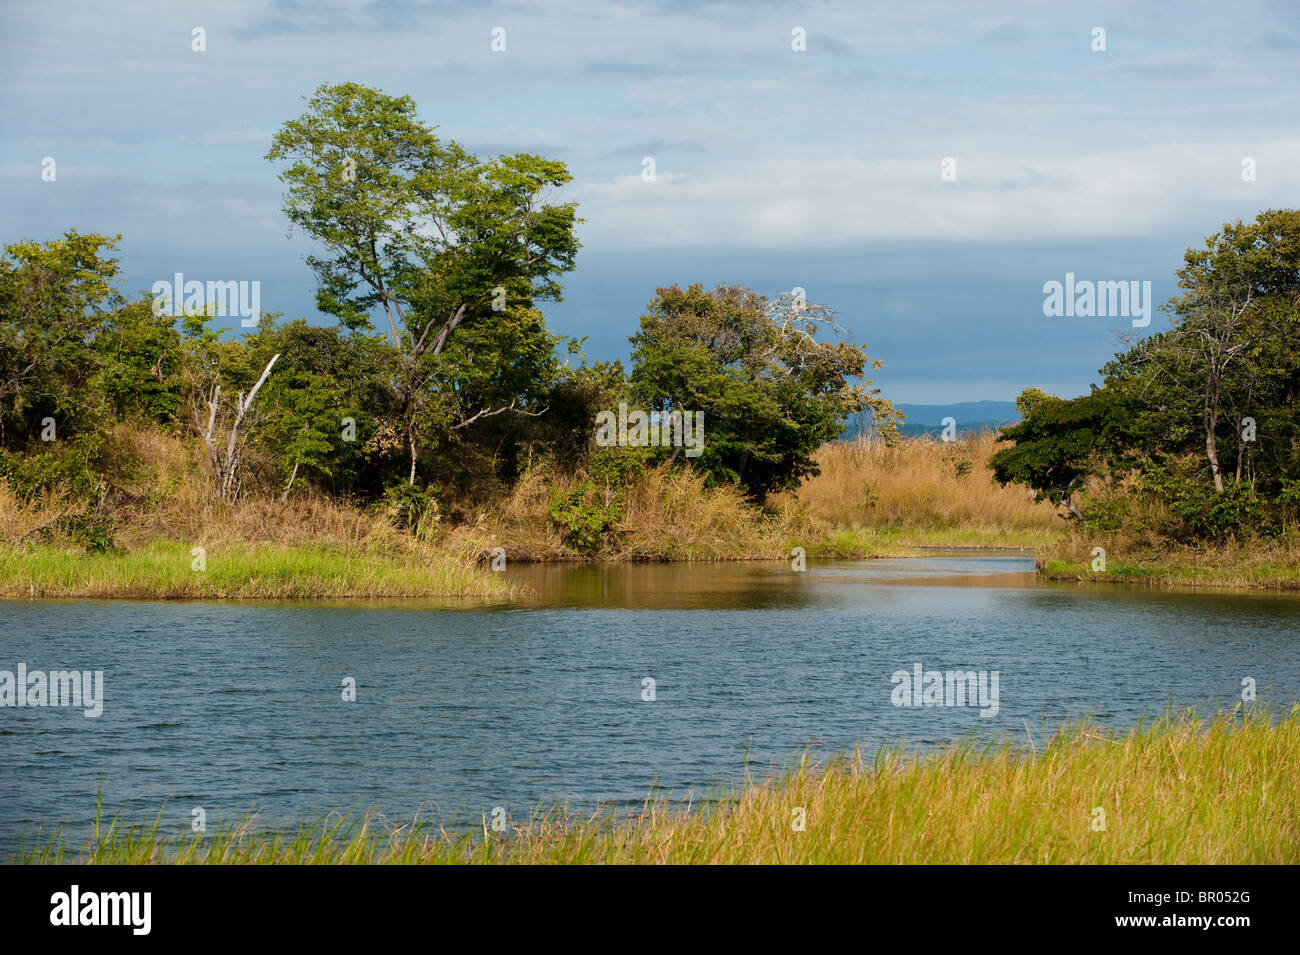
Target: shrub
(405,505)
(583,516)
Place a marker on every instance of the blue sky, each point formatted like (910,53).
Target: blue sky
(774,168)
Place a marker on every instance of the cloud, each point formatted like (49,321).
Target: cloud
(796,161)
(824,202)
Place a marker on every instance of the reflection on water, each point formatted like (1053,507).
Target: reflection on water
(463,706)
(752,584)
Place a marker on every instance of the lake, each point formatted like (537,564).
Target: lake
(462,707)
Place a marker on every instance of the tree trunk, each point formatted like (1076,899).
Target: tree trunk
(1212,452)
(243,405)
(289,486)
(440,342)
(411,479)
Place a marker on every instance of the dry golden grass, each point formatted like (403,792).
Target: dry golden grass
(164,492)
(21,521)
(668,514)
(671,513)
(163,507)
(869,500)
(915,493)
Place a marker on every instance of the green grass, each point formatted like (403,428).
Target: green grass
(163,570)
(857,541)
(1181,790)
(1265,576)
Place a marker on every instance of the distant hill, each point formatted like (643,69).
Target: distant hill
(928,419)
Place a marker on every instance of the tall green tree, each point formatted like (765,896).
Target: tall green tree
(770,391)
(54,299)
(1230,348)
(445,245)
(1055,444)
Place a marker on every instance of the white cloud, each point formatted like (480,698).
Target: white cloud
(835,201)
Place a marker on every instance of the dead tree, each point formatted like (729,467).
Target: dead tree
(226,464)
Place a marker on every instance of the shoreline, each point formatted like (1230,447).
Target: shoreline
(1173,578)
(326,570)
(1181,789)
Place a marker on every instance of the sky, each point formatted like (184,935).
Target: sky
(774,167)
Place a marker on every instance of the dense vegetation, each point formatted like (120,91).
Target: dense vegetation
(1194,433)
(437,398)
(439,384)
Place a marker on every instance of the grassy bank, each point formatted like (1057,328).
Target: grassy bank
(868,500)
(1236,565)
(1179,791)
(161,515)
(165,570)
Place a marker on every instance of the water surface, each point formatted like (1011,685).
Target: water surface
(461,708)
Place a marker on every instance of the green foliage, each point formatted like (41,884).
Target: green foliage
(1029,399)
(94,531)
(405,505)
(1202,512)
(43,468)
(584,516)
(453,250)
(139,365)
(616,467)
(770,393)
(1202,417)
(566,433)
(1055,444)
(54,299)
(961,465)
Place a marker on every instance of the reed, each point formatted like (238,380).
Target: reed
(922,493)
(1180,790)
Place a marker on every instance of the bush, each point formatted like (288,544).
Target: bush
(406,506)
(65,463)
(614,468)
(93,531)
(583,517)
(961,465)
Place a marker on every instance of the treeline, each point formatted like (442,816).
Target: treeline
(1194,432)
(292,406)
(436,381)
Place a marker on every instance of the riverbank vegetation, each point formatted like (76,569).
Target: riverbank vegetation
(1178,791)
(150,447)
(437,400)
(438,421)
(1251,563)
(868,499)
(1183,466)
